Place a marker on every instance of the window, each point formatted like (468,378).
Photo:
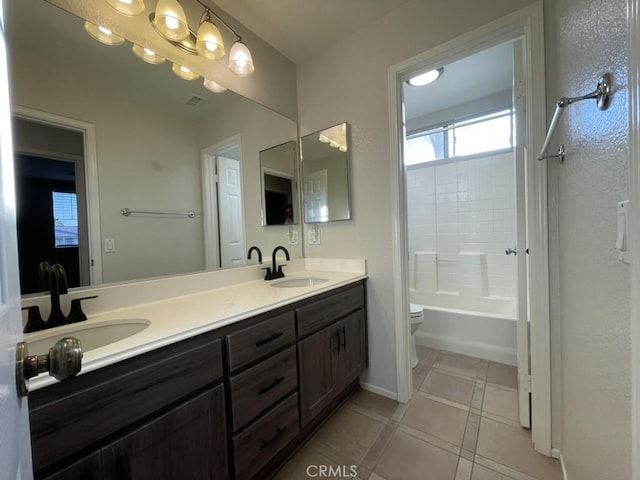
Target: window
(65,219)
(480,134)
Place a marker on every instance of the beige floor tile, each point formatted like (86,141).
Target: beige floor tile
(374,452)
(346,437)
(483,473)
(501,374)
(385,407)
(452,388)
(424,353)
(375,476)
(511,446)
(471,433)
(419,373)
(408,458)
(478,395)
(464,469)
(436,419)
(458,364)
(502,402)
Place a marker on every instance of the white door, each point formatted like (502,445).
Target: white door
(520,152)
(15,444)
(232,244)
(315,197)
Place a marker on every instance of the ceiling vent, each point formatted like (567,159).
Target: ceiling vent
(194,101)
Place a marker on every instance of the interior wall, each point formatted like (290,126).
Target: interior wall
(590,288)
(348,82)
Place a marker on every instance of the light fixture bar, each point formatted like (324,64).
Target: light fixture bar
(219,19)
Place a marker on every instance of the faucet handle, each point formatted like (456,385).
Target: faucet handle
(269,275)
(76,314)
(34,320)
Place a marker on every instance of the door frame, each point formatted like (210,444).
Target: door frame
(527,23)
(211,221)
(88,131)
(633,9)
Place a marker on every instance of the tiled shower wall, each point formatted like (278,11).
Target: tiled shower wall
(464,206)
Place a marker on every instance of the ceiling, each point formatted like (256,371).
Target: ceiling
(300,28)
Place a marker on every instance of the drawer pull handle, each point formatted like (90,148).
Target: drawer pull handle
(337,348)
(342,344)
(276,381)
(266,443)
(259,343)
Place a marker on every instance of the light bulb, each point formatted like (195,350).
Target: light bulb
(213,86)
(103,34)
(184,72)
(147,55)
(170,21)
(240,61)
(130,8)
(209,41)
(426,78)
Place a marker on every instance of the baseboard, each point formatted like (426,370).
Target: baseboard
(379,391)
(564,469)
(466,347)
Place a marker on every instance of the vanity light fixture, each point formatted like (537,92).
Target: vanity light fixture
(103,34)
(213,86)
(170,21)
(184,72)
(426,78)
(130,8)
(148,55)
(336,137)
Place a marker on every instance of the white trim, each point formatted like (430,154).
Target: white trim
(526,22)
(633,9)
(88,131)
(379,391)
(562,465)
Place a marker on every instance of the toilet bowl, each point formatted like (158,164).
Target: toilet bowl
(416,317)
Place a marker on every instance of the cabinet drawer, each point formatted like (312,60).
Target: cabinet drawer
(258,341)
(314,316)
(265,438)
(256,389)
(79,412)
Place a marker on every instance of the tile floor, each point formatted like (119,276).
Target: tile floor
(461,424)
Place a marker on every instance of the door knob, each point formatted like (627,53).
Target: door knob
(63,361)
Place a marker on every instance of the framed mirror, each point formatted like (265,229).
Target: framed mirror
(149,140)
(325,175)
(279,185)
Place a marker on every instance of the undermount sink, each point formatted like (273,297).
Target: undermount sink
(299,282)
(91,335)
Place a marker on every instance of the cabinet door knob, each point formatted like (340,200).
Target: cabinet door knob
(63,361)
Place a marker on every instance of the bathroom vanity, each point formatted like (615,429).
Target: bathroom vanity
(231,402)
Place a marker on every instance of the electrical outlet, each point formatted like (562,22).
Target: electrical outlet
(292,236)
(314,235)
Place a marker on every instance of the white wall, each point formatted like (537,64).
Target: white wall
(591,311)
(348,82)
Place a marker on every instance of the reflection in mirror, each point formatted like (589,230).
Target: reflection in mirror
(279,186)
(325,175)
(149,141)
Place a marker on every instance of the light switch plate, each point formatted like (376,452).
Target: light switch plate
(292,236)
(109,245)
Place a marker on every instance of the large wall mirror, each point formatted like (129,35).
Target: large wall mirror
(325,174)
(279,185)
(103,131)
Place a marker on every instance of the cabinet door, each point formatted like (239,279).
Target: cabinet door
(188,442)
(87,468)
(351,360)
(316,370)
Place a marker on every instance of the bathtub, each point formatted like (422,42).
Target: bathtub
(491,336)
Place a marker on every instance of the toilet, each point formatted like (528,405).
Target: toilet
(416,317)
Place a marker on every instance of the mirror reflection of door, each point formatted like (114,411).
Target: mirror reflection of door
(278,198)
(51,202)
(232,245)
(315,197)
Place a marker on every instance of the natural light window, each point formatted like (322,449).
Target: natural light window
(480,134)
(65,219)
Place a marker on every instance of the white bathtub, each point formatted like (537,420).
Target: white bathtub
(483,335)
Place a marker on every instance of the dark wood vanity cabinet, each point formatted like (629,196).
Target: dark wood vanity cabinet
(330,359)
(231,403)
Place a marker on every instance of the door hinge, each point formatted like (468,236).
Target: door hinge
(524,383)
(520,89)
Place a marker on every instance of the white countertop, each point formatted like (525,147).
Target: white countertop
(186,316)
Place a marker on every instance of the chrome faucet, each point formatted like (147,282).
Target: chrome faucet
(276,271)
(256,249)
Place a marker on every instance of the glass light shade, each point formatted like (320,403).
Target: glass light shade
(170,20)
(213,86)
(148,55)
(426,78)
(184,72)
(240,61)
(103,34)
(130,8)
(209,43)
